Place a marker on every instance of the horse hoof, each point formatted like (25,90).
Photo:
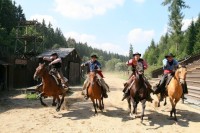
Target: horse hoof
(57,109)
(54,104)
(45,105)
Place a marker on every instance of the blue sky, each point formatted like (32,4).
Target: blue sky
(110,25)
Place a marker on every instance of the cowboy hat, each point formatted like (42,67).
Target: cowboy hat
(94,55)
(54,54)
(169,55)
(136,54)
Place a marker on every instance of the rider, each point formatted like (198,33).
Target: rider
(169,66)
(56,63)
(135,62)
(93,65)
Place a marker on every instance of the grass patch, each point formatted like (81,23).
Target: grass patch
(31,96)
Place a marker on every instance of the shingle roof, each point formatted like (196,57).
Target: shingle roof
(62,52)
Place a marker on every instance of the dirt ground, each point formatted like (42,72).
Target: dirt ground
(19,115)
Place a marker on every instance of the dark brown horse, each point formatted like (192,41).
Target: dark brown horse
(50,87)
(138,93)
(95,92)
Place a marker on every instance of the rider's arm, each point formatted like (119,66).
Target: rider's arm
(85,64)
(98,65)
(130,62)
(56,61)
(145,64)
(47,58)
(164,62)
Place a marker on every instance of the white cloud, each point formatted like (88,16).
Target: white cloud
(85,9)
(47,19)
(140,39)
(186,23)
(92,41)
(140,36)
(139,1)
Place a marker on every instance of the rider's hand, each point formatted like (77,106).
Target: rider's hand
(134,62)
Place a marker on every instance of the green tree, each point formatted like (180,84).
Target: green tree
(131,51)
(176,18)
(190,39)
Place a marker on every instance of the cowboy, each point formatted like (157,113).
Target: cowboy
(138,66)
(169,66)
(94,65)
(56,63)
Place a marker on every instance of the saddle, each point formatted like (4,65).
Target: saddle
(53,72)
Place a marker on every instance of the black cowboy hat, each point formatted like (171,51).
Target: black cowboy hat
(94,55)
(54,54)
(169,55)
(136,54)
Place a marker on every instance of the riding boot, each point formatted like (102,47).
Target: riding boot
(104,93)
(104,87)
(126,94)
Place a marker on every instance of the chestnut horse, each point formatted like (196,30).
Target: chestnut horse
(50,87)
(95,92)
(175,90)
(138,93)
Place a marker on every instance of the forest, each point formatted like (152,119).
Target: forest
(11,15)
(181,43)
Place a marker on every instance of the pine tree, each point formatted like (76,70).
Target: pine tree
(190,39)
(176,18)
(131,51)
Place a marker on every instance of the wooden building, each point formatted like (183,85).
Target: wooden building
(18,72)
(70,63)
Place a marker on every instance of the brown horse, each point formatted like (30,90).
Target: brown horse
(175,90)
(95,92)
(138,93)
(50,87)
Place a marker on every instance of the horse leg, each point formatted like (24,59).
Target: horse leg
(175,102)
(97,104)
(58,105)
(41,101)
(102,103)
(173,109)
(54,101)
(129,104)
(94,106)
(158,100)
(182,97)
(143,108)
(134,107)
(165,103)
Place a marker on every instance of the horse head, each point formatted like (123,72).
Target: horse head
(39,72)
(181,73)
(92,78)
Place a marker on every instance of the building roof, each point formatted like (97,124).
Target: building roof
(62,52)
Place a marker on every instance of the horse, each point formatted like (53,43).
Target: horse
(174,89)
(138,93)
(49,87)
(95,92)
